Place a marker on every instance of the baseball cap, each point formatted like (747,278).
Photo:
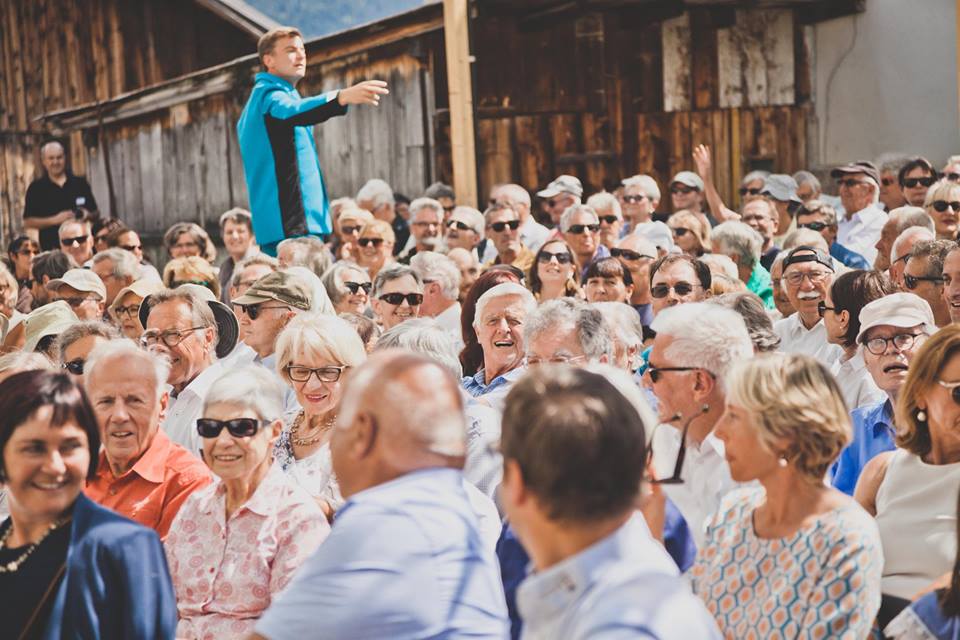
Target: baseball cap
(286,288)
(141,288)
(810,254)
(656,232)
(902,310)
(563,184)
(861,166)
(81,280)
(782,187)
(688,178)
(49,320)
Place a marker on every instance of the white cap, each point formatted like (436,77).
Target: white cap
(690,179)
(656,232)
(82,280)
(902,310)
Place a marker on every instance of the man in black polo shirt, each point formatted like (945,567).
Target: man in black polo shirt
(56,197)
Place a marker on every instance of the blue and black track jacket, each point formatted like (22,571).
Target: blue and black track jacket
(287,194)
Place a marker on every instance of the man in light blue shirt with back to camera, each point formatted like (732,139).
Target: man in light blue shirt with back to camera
(405,558)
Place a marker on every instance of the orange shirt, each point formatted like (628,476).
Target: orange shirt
(153,490)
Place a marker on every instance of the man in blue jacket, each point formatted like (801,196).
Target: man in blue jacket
(287,194)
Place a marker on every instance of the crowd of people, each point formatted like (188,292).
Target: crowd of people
(561,417)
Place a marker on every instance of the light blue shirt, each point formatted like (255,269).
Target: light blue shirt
(625,586)
(404,560)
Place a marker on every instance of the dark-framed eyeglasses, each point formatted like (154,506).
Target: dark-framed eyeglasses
(354,287)
(753,191)
(634,199)
(350,230)
(952,176)
(887,181)
(681,452)
(366,242)
(850,183)
(170,338)
(822,308)
(76,302)
(74,366)
(396,299)
(499,227)
(462,226)
(628,255)
(562,258)
(238,427)
(657,372)
(912,183)
(941,205)
(449,208)
(682,189)
(130,310)
(577,229)
(680,288)
(324,374)
(130,247)
(76,240)
(815,226)
(253,311)
(954,388)
(912,282)
(901,342)
(680,231)
(796,277)
(609,219)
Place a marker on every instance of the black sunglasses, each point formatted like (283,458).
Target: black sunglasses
(941,205)
(683,190)
(463,226)
(952,177)
(634,199)
(74,366)
(67,242)
(912,282)
(752,191)
(253,310)
(582,228)
(562,258)
(663,290)
(500,226)
(396,299)
(681,452)
(609,219)
(822,308)
(130,247)
(657,372)
(238,427)
(366,242)
(681,231)
(628,255)
(354,287)
(350,230)
(816,226)
(911,183)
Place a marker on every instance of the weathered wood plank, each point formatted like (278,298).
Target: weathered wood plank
(756,59)
(676,46)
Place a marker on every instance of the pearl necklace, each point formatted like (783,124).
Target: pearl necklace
(14,565)
(303,442)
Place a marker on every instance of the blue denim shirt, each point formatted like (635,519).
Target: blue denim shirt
(475,386)
(872,435)
(850,258)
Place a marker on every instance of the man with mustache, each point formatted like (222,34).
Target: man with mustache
(892,330)
(807,276)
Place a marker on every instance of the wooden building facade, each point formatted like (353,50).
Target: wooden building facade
(601,90)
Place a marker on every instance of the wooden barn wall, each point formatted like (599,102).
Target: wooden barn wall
(60,53)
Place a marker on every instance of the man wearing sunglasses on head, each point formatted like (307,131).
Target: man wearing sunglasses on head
(396,295)
(694,347)
(859,185)
(822,218)
(580,226)
(503,230)
(923,276)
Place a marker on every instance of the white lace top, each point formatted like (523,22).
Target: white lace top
(314,473)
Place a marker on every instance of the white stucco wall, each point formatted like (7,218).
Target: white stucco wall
(896,90)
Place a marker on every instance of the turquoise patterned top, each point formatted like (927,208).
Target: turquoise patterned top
(821,582)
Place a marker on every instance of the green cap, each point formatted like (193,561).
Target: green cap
(286,288)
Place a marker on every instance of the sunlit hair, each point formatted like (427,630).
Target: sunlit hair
(701,230)
(793,398)
(192,269)
(80,330)
(319,337)
(125,351)
(251,387)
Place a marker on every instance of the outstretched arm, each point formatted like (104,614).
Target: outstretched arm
(366,92)
(316,109)
(704,165)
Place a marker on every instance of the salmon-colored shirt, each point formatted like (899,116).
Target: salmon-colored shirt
(153,490)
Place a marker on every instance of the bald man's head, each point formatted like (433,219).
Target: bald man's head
(401,412)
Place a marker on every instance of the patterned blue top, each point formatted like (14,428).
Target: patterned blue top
(821,582)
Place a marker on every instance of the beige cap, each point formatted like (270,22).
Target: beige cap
(901,310)
(81,280)
(49,320)
(141,288)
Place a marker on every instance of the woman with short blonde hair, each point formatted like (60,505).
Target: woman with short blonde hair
(792,556)
(939,205)
(191,270)
(375,246)
(690,233)
(315,353)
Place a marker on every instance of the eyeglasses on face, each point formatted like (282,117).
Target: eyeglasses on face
(629,256)
(170,338)
(366,242)
(822,308)
(816,226)
(609,219)
(130,247)
(426,223)
(130,310)
(901,342)
(681,189)
(27,251)
(954,388)
(634,199)
(887,181)
(74,366)
(533,361)
(354,287)
(253,311)
(850,183)
(238,427)
(753,191)
(656,373)
(912,282)
(796,277)
(500,226)
(952,177)
(681,289)
(324,374)
(349,230)
(396,299)
(578,229)
(449,208)
(77,240)
(912,183)
(76,302)
(681,231)
(462,226)
(941,205)
(562,258)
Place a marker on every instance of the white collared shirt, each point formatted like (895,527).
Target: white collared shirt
(860,231)
(796,338)
(533,235)
(449,321)
(184,409)
(705,474)
(856,383)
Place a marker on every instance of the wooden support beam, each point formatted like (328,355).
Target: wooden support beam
(460,86)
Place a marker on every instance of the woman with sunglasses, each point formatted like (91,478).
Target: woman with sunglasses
(314,356)
(348,286)
(69,567)
(237,542)
(375,247)
(943,205)
(789,556)
(75,344)
(690,233)
(911,490)
(553,274)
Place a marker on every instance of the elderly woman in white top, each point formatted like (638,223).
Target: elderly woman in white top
(314,356)
(239,541)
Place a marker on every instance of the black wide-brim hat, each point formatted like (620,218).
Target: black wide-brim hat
(228,329)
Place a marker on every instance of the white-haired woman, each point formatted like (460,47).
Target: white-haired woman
(314,355)
(791,557)
(238,542)
(348,286)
